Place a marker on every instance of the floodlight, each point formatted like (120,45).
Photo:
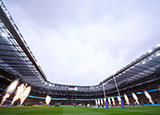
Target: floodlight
(149,51)
(3,35)
(158,54)
(158,45)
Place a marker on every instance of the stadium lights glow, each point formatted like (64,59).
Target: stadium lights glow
(143,62)
(158,45)
(158,54)
(149,51)
(3,35)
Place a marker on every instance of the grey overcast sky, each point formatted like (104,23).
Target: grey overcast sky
(83,42)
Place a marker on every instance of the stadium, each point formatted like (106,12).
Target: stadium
(134,89)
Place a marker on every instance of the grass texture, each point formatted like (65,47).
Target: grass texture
(50,110)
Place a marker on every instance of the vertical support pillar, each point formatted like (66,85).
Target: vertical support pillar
(106,103)
(122,105)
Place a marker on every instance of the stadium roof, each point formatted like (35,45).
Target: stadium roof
(143,67)
(16,58)
(15,55)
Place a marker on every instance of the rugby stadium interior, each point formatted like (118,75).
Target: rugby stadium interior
(18,62)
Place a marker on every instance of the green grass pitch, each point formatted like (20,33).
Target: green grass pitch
(50,110)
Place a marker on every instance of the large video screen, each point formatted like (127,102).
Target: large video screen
(73,88)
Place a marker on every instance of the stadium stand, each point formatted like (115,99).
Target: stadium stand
(17,61)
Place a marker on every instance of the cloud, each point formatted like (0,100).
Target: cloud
(86,42)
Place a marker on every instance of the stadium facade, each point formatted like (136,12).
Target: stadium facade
(17,61)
